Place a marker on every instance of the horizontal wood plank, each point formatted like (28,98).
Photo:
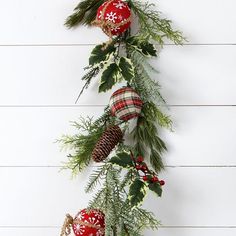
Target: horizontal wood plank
(30,231)
(192,197)
(193,232)
(28,135)
(42,23)
(201,20)
(162,232)
(189,75)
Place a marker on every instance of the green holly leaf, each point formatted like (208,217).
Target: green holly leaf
(144,47)
(148,49)
(137,192)
(156,187)
(122,159)
(99,54)
(109,77)
(127,68)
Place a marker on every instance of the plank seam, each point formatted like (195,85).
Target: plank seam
(164,227)
(167,166)
(101,105)
(91,44)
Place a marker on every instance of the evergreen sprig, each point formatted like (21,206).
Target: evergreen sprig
(83,143)
(122,218)
(147,141)
(84,13)
(92,72)
(152,25)
(147,88)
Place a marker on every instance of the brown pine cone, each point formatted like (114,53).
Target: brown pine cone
(107,142)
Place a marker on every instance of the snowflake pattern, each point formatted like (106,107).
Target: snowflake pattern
(100,15)
(120,17)
(111,17)
(80,216)
(99,233)
(95,218)
(79,229)
(116,29)
(98,214)
(93,221)
(120,5)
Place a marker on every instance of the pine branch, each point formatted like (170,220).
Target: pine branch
(84,14)
(152,25)
(126,180)
(121,217)
(153,113)
(146,137)
(147,219)
(148,89)
(97,201)
(93,72)
(83,143)
(96,177)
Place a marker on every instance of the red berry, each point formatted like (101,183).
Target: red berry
(144,167)
(162,182)
(155,179)
(145,178)
(138,167)
(140,159)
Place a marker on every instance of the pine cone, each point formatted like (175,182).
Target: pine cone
(109,139)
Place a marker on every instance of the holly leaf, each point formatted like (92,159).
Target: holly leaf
(137,192)
(156,187)
(109,77)
(122,159)
(144,47)
(101,53)
(127,68)
(148,49)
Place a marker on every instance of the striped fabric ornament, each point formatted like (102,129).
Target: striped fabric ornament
(125,104)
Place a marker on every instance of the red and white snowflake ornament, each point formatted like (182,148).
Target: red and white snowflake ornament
(114,17)
(89,223)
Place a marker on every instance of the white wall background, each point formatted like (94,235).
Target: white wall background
(41,66)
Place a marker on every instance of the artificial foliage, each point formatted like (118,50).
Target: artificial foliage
(127,170)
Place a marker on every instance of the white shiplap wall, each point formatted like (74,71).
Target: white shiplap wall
(41,65)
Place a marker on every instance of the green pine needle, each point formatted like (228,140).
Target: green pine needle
(84,14)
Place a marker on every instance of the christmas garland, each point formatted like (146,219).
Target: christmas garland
(135,113)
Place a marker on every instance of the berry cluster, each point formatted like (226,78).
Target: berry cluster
(149,176)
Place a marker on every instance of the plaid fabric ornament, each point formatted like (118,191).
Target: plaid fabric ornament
(125,104)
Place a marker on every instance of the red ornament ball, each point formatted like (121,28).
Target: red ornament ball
(114,17)
(89,223)
(125,104)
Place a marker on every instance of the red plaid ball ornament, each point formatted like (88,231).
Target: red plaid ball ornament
(125,104)
(114,17)
(90,223)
